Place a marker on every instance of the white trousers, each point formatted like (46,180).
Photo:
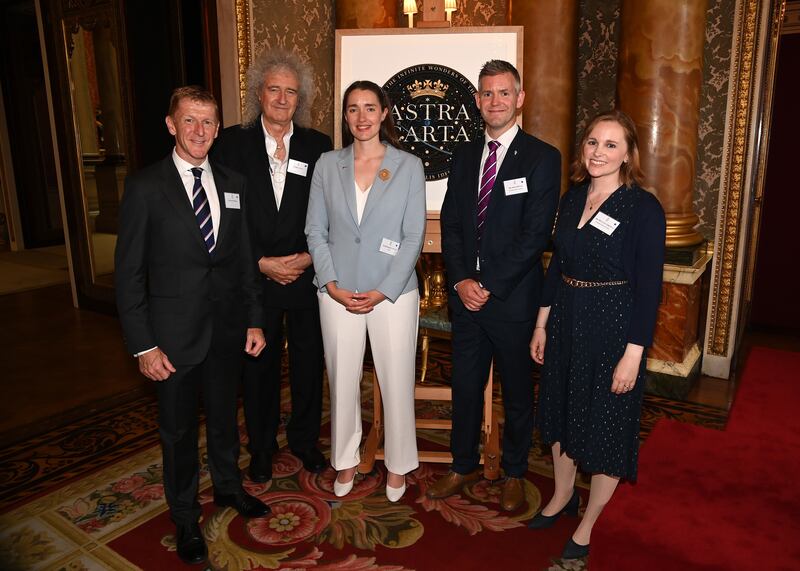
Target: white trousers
(392,329)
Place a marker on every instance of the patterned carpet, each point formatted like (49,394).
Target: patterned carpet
(89,496)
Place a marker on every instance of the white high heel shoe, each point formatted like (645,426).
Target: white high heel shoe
(340,489)
(394,494)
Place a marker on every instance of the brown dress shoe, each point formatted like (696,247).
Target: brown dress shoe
(513,494)
(451,484)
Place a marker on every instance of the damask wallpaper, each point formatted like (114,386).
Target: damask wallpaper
(713,100)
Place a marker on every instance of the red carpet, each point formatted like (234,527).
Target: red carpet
(710,500)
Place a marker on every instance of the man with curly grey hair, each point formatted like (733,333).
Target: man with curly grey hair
(276,152)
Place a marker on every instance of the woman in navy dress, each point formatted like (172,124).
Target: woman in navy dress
(598,313)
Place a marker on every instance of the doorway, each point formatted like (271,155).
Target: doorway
(774,307)
(35,204)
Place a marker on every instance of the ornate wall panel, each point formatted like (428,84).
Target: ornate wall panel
(598,42)
(713,102)
(307,28)
(480,13)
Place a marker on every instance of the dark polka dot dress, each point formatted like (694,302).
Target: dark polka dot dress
(586,337)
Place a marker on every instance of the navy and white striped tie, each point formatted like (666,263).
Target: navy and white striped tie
(202,210)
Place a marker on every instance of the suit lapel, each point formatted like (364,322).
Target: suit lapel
(380,186)
(292,188)
(222,183)
(476,166)
(347,177)
(176,195)
(257,150)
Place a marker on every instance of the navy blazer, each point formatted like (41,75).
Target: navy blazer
(516,231)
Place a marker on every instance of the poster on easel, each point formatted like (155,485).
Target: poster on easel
(431,77)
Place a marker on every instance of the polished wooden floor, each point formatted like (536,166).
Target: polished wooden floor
(59,364)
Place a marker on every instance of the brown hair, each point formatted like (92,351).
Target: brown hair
(630,172)
(193,93)
(499,67)
(388,132)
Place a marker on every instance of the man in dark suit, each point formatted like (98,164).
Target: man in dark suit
(277,157)
(189,303)
(497,218)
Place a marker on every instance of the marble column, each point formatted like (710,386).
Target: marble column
(366,14)
(550,46)
(659,82)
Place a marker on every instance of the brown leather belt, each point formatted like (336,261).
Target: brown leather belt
(581,283)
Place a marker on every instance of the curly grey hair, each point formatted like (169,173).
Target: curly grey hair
(268,62)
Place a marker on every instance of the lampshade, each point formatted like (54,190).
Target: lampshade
(450,6)
(409,7)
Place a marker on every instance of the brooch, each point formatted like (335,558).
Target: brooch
(384,175)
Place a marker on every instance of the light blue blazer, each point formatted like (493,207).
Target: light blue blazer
(350,254)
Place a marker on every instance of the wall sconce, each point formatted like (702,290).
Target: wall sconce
(409,9)
(449,8)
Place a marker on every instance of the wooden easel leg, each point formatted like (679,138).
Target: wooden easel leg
(375,437)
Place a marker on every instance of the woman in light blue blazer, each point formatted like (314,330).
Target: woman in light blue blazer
(365,226)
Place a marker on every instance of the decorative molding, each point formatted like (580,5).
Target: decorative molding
(70,5)
(791,18)
(740,116)
(243,47)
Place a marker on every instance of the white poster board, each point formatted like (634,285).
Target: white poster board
(379,55)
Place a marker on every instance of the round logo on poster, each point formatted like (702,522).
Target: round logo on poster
(433,107)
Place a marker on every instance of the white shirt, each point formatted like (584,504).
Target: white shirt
(207,179)
(277,169)
(361,200)
(505,141)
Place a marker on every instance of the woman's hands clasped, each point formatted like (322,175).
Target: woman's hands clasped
(359,303)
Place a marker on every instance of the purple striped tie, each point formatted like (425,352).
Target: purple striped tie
(487,182)
(202,210)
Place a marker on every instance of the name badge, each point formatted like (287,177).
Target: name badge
(604,223)
(232,200)
(390,247)
(296,167)
(515,186)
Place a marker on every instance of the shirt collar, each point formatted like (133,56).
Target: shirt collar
(269,137)
(184,166)
(506,138)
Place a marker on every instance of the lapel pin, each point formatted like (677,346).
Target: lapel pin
(515,152)
(384,175)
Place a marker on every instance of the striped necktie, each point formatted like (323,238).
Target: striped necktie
(487,182)
(202,210)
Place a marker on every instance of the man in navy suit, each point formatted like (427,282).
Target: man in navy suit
(277,156)
(189,304)
(496,219)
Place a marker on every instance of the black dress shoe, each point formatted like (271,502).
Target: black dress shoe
(260,467)
(541,521)
(574,550)
(190,544)
(313,460)
(244,503)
